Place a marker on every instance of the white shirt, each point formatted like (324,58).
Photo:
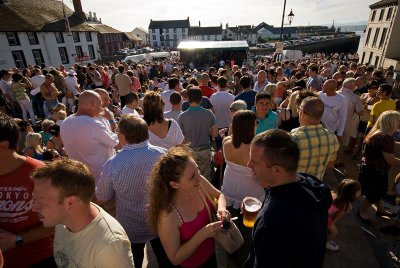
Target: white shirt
(221,101)
(335,111)
(72,83)
(127,110)
(174,137)
(37,81)
(165,96)
(88,141)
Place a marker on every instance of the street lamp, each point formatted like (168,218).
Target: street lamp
(290,17)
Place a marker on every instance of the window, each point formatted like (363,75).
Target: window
(175,36)
(183,36)
(373,15)
(63,55)
(91,52)
(88,36)
(370,58)
(362,58)
(76,36)
(33,40)
(389,14)
(155,44)
(174,30)
(12,38)
(384,32)
(381,14)
(208,37)
(59,37)
(19,59)
(376,61)
(38,56)
(167,30)
(376,37)
(154,37)
(79,52)
(153,30)
(183,30)
(368,36)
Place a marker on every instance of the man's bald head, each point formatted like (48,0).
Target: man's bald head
(89,103)
(105,98)
(330,85)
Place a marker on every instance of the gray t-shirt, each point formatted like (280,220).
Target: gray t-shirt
(195,124)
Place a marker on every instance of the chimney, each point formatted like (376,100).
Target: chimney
(90,16)
(199,24)
(94,16)
(78,9)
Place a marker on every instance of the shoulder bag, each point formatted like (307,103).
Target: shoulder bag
(230,239)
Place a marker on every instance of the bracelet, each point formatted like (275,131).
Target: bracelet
(111,121)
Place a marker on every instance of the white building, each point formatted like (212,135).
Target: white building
(382,43)
(142,34)
(242,32)
(266,31)
(34,33)
(205,33)
(168,33)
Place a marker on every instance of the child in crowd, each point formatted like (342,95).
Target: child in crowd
(343,197)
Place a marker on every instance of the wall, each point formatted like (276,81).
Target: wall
(48,46)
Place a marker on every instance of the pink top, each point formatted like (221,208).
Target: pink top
(188,230)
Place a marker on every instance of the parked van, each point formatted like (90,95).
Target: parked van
(288,55)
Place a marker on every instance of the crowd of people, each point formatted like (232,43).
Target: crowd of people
(98,161)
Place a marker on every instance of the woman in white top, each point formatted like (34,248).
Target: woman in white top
(239,181)
(163,132)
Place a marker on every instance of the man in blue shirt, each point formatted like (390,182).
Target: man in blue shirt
(266,118)
(248,94)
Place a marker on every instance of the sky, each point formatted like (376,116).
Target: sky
(125,15)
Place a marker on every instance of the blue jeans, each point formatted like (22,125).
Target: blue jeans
(50,104)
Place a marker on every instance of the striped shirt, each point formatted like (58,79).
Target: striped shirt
(125,176)
(318,146)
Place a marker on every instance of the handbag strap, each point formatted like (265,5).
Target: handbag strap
(208,196)
(205,204)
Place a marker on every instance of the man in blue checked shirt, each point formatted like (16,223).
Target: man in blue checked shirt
(124,176)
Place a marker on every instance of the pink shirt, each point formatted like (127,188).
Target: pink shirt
(188,230)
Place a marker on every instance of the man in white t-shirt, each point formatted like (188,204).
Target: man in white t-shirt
(72,83)
(86,235)
(222,100)
(132,100)
(334,117)
(86,139)
(173,86)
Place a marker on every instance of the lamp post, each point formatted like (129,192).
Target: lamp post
(290,17)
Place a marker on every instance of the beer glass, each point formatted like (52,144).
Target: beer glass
(251,207)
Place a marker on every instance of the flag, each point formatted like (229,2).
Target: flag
(66,21)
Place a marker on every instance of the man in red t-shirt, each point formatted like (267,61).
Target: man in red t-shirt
(205,89)
(23,239)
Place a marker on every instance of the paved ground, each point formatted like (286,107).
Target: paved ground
(363,246)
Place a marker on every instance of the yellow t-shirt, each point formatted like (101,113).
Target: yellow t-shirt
(103,243)
(380,107)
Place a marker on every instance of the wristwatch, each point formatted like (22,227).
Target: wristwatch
(19,241)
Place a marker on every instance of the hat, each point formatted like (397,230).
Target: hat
(71,72)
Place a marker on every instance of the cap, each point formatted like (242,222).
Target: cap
(71,72)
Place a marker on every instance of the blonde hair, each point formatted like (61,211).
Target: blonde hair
(270,89)
(61,115)
(33,140)
(387,124)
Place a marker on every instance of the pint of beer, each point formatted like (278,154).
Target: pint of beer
(251,207)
